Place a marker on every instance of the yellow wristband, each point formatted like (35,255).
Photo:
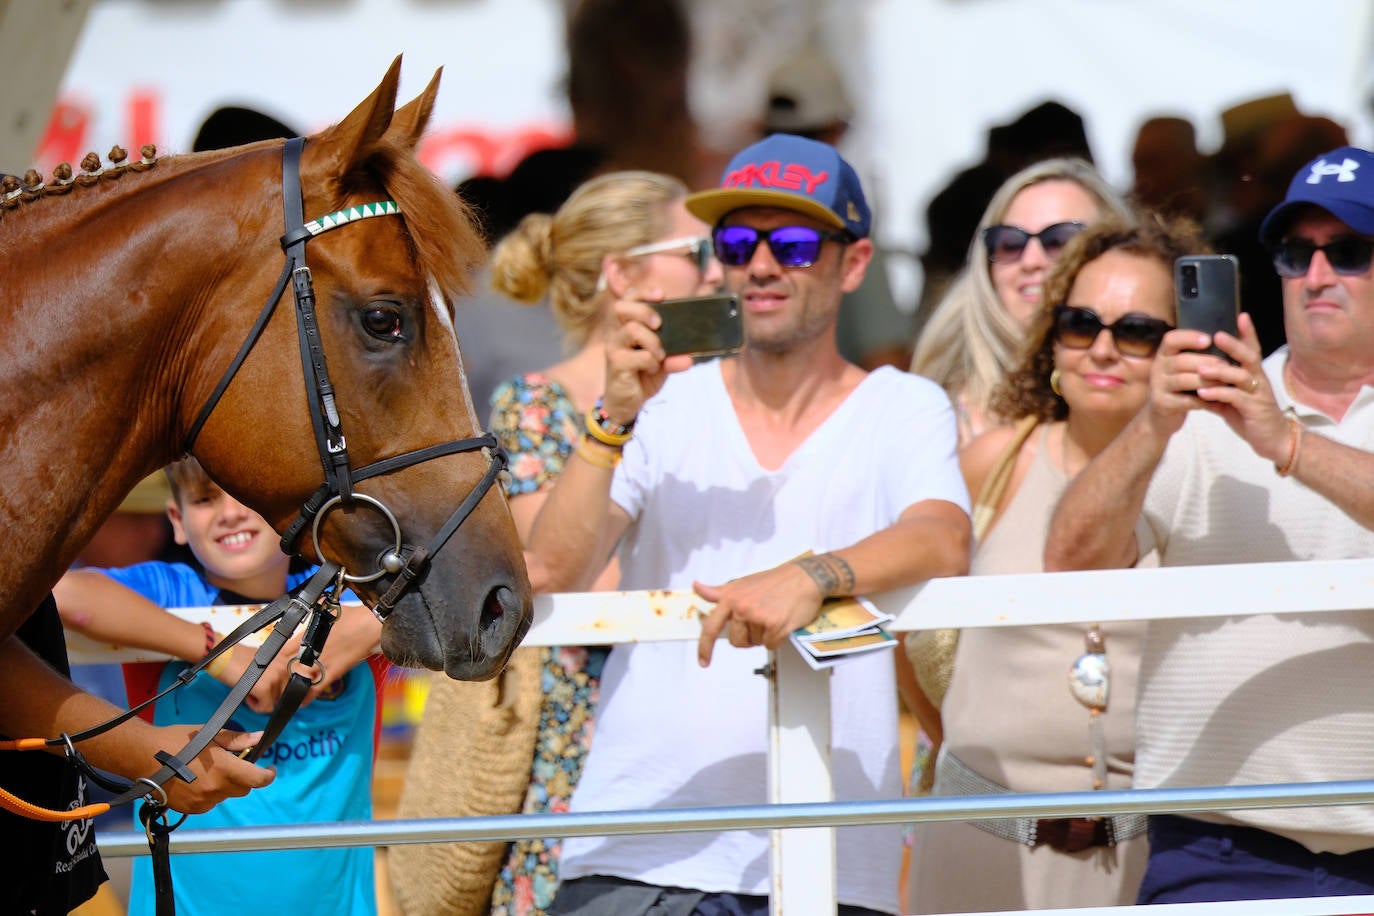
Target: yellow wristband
(218,664)
(596,456)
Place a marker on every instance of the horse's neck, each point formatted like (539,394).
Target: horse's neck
(103,324)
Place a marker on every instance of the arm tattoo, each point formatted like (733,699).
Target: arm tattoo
(831,574)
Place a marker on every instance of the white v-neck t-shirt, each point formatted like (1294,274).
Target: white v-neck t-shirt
(670,734)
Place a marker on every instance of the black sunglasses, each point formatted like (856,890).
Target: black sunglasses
(1133,333)
(1006,244)
(792,246)
(1347,256)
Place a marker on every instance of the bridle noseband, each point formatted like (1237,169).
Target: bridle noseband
(339,478)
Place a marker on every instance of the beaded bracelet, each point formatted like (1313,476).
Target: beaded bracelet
(1295,431)
(605,422)
(597,456)
(600,428)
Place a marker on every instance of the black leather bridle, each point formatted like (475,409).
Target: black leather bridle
(339,479)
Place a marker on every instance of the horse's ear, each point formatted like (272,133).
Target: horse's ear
(411,118)
(351,140)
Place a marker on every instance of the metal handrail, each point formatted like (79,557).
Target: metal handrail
(748,817)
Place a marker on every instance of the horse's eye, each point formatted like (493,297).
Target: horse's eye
(383,322)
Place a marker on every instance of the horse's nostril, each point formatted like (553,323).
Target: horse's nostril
(500,601)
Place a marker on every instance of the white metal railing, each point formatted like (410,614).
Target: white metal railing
(800,717)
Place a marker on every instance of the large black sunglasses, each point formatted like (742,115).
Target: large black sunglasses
(1134,334)
(1348,256)
(1006,244)
(792,246)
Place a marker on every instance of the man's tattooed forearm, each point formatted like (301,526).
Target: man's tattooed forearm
(831,574)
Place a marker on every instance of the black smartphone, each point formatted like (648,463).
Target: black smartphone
(700,325)
(1206,294)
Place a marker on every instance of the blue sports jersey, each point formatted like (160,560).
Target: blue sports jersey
(323,759)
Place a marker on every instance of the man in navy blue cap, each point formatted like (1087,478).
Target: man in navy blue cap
(1268,462)
(768,481)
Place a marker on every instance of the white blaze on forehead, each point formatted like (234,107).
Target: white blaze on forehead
(440,308)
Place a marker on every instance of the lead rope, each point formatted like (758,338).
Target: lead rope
(159,830)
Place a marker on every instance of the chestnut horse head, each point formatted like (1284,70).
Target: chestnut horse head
(142,321)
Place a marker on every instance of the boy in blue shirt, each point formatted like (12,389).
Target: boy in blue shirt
(324,755)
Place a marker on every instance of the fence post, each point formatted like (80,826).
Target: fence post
(799,771)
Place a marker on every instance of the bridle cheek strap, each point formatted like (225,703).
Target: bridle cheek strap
(324,415)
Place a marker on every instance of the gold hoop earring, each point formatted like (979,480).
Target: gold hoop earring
(1054,383)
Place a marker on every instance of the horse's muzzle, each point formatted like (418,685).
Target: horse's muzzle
(425,630)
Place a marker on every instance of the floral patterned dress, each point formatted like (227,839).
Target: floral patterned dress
(539,427)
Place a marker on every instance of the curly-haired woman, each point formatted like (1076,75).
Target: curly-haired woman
(1011,721)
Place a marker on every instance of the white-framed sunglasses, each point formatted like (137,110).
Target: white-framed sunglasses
(695,247)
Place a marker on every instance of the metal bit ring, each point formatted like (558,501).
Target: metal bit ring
(336,501)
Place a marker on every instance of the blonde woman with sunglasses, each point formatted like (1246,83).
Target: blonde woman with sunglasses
(1011,722)
(975,333)
(517,743)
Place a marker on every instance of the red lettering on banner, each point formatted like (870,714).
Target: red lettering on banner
(438,147)
(451,152)
(65,138)
(792,177)
(485,152)
(144,111)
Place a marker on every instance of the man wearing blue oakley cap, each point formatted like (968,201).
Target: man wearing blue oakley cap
(768,481)
(1268,462)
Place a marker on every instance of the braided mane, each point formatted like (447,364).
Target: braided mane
(15,191)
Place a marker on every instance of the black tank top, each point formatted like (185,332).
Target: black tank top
(49,868)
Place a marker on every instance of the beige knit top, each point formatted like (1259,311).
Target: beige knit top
(1009,713)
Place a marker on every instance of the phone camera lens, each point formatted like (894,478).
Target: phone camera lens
(1189,276)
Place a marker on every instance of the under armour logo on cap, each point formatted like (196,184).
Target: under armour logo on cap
(1343,172)
(1349,198)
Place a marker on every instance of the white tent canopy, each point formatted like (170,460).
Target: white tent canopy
(929,76)
(943,71)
